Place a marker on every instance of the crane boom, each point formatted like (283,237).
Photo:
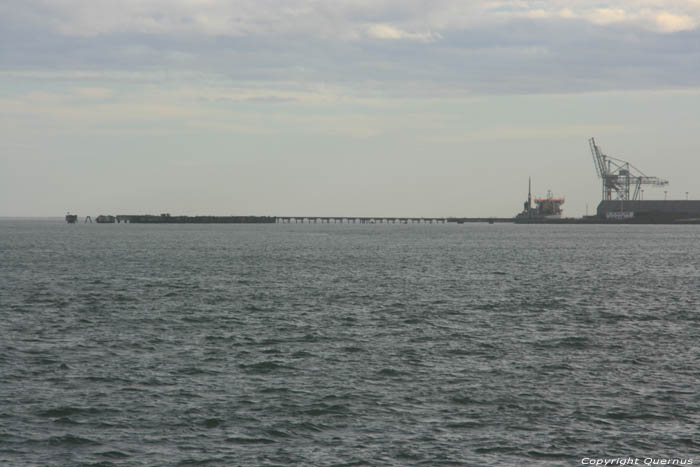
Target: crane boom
(619,176)
(598,158)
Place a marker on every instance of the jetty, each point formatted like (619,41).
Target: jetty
(167,218)
(359,220)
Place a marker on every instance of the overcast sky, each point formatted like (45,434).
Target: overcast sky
(367,107)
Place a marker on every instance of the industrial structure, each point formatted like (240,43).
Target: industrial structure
(547,207)
(620,176)
(625,181)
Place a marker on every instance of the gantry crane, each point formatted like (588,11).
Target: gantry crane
(619,176)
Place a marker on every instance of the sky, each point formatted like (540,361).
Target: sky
(340,108)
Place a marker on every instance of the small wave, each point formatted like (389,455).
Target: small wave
(132,389)
(635,415)
(326,409)
(263,367)
(389,372)
(277,433)
(196,319)
(153,381)
(689,442)
(105,379)
(191,370)
(66,421)
(620,415)
(637,360)
(421,339)
(492,449)
(66,411)
(460,352)
(185,462)
(407,455)
(121,298)
(71,440)
(558,366)
(113,454)
(45,361)
(312,338)
(549,455)
(569,342)
(464,400)
(308,426)
(241,440)
(274,390)
(465,424)
(212,422)
(523,428)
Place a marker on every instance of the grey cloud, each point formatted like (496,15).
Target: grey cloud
(339,18)
(514,56)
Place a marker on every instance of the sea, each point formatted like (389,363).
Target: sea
(360,344)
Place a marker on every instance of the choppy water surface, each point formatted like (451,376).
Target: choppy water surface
(351,345)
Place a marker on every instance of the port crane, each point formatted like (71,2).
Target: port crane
(620,176)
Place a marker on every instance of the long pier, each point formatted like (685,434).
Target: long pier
(169,219)
(360,220)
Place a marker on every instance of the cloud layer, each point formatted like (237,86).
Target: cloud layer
(346,19)
(393,47)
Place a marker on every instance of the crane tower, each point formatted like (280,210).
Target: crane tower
(620,176)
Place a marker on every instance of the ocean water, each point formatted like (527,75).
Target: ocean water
(479,344)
